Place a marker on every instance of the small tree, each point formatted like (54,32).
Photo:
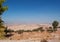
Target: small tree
(55,24)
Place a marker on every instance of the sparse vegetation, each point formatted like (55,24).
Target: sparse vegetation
(20,31)
(27,31)
(41,29)
(50,30)
(8,31)
(38,29)
(34,30)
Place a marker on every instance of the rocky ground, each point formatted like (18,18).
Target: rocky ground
(36,36)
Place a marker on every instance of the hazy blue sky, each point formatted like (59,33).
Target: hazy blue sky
(32,11)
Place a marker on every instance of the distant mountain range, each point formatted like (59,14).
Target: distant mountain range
(27,26)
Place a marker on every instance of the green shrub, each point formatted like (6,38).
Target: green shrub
(20,31)
(41,29)
(35,30)
(38,29)
(27,31)
(50,30)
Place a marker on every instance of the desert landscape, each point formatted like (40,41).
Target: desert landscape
(30,21)
(31,35)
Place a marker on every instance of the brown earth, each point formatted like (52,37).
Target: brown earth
(36,35)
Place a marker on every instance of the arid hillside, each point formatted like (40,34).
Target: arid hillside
(36,36)
(34,33)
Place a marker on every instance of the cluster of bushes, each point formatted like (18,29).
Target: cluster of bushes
(39,29)
(19,31)
(8,31)
(34,30)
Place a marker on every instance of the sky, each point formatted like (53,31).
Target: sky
(31,11)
